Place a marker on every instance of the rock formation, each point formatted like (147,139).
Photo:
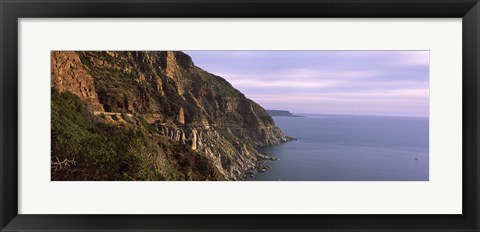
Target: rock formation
(69,74)
(180,100)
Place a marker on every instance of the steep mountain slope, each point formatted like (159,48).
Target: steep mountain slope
(168,102)
(281,113)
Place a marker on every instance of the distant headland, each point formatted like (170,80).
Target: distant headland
(281,113)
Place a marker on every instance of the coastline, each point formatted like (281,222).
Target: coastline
(260,166)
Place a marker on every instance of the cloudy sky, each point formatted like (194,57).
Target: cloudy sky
(394,83)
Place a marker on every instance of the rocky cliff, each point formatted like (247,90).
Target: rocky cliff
(177,102)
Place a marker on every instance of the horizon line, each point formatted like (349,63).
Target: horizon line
(346,114)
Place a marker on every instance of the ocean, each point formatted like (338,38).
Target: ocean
(350,148)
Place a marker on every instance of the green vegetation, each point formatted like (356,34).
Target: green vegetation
(86,147)
(188,164)
(96,150)
(146,125)
(119,144)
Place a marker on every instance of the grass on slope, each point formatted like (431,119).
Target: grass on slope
(85,147)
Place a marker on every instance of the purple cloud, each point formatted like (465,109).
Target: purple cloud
(327,82)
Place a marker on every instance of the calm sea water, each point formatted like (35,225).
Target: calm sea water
(350,148)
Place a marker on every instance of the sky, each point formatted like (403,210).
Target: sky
(391,83)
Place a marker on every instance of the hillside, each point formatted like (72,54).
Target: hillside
(151,116)
(281,113)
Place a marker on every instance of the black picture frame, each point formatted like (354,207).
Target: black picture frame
(11,11)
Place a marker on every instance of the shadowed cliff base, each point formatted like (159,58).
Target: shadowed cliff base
(151,116)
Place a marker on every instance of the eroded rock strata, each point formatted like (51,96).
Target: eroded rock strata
(173,103)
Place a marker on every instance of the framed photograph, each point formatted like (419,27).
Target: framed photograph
(239,115)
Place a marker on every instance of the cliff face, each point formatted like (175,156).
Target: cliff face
(69,74)
(182,102)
